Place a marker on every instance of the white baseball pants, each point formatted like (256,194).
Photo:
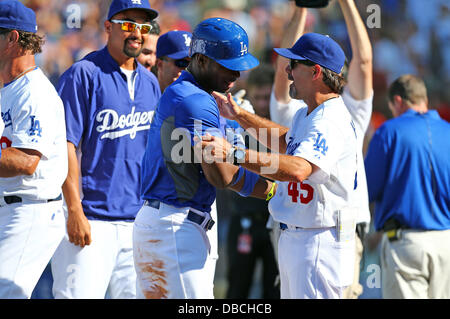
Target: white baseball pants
(104,265)
(171,255)
(29,235)
(313,264)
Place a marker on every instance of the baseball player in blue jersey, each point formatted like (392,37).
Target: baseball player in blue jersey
(109,100)
(170,244)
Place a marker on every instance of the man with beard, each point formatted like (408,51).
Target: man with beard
(109,100)
(170,242)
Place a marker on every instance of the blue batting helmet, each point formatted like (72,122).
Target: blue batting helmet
(225,42)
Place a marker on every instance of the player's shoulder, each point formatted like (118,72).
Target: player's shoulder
(86,66)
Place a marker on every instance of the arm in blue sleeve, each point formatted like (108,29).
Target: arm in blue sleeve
(376,164)
(73,88)
(199,112)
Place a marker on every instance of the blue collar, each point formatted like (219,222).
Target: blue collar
(109,60)
(430,113)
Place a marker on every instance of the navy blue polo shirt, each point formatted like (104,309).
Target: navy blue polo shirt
(170,172)
(110,128)
(408,171)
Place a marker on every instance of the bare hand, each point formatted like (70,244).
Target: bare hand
(227,106)
(79,229)
(214,149)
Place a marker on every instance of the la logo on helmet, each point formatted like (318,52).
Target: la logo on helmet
(244,49)
(187,40)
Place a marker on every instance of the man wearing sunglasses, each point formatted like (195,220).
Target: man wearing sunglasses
(109,100)
(172,56)
(316,171)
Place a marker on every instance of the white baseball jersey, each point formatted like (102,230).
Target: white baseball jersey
(361,112)
(2,126)
(326,138)
(33,115)
(283,113)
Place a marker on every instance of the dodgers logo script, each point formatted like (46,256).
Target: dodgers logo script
(291,147)
(7,118)
(114,125)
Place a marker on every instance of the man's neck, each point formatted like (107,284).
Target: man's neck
(122,60)
(319,98)
(16,67)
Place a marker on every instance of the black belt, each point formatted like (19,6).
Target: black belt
(16,199)
(393,229)
(192,216)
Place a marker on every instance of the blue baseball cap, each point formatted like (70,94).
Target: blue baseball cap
(174,44)
(15,16)
(318,48)
(224,41)
(122,5)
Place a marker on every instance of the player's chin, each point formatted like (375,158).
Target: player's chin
(293,91)
(132,52)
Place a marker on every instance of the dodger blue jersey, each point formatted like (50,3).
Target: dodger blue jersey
(110,127)
(408,171)
(170,172)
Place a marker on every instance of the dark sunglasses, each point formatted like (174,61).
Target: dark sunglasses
(293,62)
(181,63)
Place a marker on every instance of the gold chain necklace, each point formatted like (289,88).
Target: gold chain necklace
(28,69)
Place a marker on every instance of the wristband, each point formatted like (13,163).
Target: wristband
(241,171)
(249,183)
(270,194)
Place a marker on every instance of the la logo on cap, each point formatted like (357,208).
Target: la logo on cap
(136,1)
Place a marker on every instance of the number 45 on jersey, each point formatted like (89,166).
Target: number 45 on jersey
(306,194)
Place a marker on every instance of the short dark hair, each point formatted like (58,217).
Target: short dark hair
(410,88)
(155,27)
(28,41)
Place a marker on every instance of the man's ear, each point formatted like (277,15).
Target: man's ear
(397,101)
(108,26)
(317,72)
(13,37)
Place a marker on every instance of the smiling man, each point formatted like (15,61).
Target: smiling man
(109,99)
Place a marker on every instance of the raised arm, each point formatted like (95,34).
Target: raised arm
(294,30)
(360,67)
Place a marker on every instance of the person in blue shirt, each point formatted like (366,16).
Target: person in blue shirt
(408,178)
(170,243)
(109,101)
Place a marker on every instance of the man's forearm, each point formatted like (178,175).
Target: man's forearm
(294,30)
(265,131)
(360,67)
(359,38)
(71,186)
(278,167)
(17,162)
